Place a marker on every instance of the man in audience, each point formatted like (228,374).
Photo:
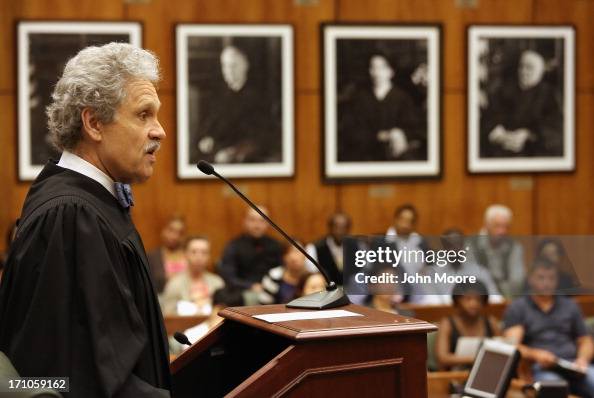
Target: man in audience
(550,327)
(195,286)
(402,234)
(169,259)
(247,258)
(498,252)
(328,250)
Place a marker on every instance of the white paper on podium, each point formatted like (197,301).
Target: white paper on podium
(297,316)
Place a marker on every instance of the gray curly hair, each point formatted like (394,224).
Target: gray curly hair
(95,78)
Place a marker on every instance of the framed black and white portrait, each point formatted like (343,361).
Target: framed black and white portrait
(43,50)
(521,92)
(235,99)
(382,105)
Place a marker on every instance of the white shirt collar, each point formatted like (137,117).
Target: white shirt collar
(70,161)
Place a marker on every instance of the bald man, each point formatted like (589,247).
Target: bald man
(237,123)
(525,118)
(247,258)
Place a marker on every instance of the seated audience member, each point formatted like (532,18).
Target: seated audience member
(549,327)
(553,251)
(498,252)
(453,240)
(402,235)
(281,284)
(312,283)
(468,320)
(328,250)
(169,259)
(193,288)
(387,297)
(247,258)
(221,299)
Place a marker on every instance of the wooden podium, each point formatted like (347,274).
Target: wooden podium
(377,354)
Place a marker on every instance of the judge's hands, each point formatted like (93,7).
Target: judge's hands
(396,140)
(206,144)
(544,358)
(513,141)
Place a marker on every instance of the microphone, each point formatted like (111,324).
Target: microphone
(181,338)
(332,297)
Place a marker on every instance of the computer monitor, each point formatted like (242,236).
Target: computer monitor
(492,370)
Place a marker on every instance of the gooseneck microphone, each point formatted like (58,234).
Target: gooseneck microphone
(181,338)
(332,297)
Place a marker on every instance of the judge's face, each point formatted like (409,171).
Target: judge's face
(198,254)
(380,70)
(531,69)
(234,65)
(129,143)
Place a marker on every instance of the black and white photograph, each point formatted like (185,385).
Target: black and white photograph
(382,111)
(43,50)
(521,94)
(235,100)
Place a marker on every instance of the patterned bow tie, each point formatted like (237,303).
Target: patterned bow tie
(124,195)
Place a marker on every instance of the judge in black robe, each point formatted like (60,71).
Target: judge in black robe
(76,299)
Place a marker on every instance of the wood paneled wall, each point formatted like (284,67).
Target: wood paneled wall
(543,203)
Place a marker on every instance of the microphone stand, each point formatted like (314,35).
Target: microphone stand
(332,297)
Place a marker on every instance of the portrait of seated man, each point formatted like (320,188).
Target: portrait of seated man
(237,120)
(524,115)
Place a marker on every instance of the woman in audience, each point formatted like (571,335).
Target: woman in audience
(190,292)
(281,284)
(169,259)
(468,320)
(552,250)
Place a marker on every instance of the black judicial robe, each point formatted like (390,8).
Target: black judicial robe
(76,298)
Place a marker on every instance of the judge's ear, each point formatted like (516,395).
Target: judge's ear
(92,127)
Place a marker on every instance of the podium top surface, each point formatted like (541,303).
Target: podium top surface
(373,322)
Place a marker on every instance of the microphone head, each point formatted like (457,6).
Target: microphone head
(181,338)
(205,167)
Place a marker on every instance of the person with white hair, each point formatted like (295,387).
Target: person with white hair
(525,118)
(494,249)
(77,300)
(238,123)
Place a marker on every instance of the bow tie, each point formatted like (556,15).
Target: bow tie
(124,195)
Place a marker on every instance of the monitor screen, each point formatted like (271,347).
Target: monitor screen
(490,370)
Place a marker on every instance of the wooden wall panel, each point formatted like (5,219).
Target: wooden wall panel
(551,203)
(563,203)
